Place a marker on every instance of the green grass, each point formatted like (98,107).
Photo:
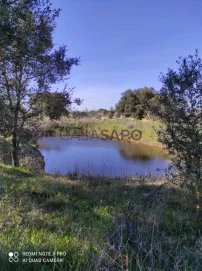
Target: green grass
(101,224)
(147,127)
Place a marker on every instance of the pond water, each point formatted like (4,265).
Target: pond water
(101,158)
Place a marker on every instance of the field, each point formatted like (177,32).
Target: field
(101,224)
(148,127)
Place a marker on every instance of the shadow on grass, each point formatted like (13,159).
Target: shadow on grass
(50,211)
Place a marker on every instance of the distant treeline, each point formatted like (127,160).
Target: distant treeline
(133,103)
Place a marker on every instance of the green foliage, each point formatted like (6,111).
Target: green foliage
(135,102)
(52,104)
(111,113)
(29,64)
(180,109)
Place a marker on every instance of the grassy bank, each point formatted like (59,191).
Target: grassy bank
(101,224)
(148,128)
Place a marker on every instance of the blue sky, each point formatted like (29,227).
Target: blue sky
(125,43)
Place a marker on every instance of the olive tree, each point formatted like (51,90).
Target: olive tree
(180,109)
(29,64)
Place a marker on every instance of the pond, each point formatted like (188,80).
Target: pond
(101,158)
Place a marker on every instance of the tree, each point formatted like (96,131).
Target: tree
(52,104)
(111,113)
(145,96)
(180,109)
(128,103)
(29,64)
(135,102)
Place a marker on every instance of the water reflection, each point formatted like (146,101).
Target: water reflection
(98,157)
(141,152)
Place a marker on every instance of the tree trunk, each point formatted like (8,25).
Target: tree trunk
(15,151)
